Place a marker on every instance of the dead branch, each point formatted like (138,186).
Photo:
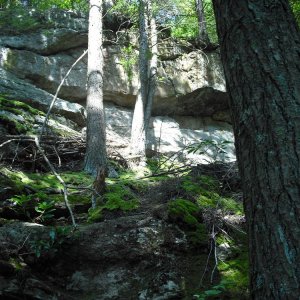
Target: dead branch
(65,190)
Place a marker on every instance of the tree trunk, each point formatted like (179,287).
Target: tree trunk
(138,133)
(95,158)
(203,35)
(153,66)
(260,49)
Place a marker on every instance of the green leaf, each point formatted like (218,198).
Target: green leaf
(212,292)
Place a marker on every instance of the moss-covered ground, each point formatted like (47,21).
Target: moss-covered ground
(194,202)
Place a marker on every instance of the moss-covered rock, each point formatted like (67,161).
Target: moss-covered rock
(20,118)
(206,191)
(116,198)
(184,211)
(188,215)
(17,117)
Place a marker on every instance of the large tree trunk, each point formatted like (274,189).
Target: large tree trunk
(95,159)
(138,132)
(260,48)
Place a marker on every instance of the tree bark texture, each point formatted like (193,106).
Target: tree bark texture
(260,49)
(138,132)
(95,159)
(203,35)
(153,47)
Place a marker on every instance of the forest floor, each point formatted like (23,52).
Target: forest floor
(177,231)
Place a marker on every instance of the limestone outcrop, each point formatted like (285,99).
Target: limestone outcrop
(35,58)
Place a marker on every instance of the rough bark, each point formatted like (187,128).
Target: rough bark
(95,158)
(203,35)
(138,133)
(152,66)
(260,49)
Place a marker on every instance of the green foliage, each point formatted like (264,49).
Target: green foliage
(52,243)
(35,180)
(40,181)
(184,23)
(234,283)
(295,4)
(182,19)
(41,203)
(215,290)
(95,215)
(128,60)
(18,19)
(210,21)
(46,209)
(80,5)
(6,180)
(127,8)
(214,150)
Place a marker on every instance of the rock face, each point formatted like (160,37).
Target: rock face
(191,84)
(132,257)
(172,135)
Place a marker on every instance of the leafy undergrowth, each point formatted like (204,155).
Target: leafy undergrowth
(195,203)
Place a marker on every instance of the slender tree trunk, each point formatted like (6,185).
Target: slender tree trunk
(153,66)
(138,133)
(95,158)
(260,48)
(203,35)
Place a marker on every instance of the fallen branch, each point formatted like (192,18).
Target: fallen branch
(181,169)
(65,190)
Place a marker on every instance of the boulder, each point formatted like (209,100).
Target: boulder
(131,257)
(14,88)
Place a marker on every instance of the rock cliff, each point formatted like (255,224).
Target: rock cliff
(190,104)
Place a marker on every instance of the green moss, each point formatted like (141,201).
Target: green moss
(213,200)
(133,180)
(8,179)
(117,197)
(200,186)
(77,178)
(184,211)
(187,214)
(7,104)
(206,192)
(39,181)
(235,273)
(199,237)
(17,108)
(120,197)
(43,181)
(13,125)
(95,215)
